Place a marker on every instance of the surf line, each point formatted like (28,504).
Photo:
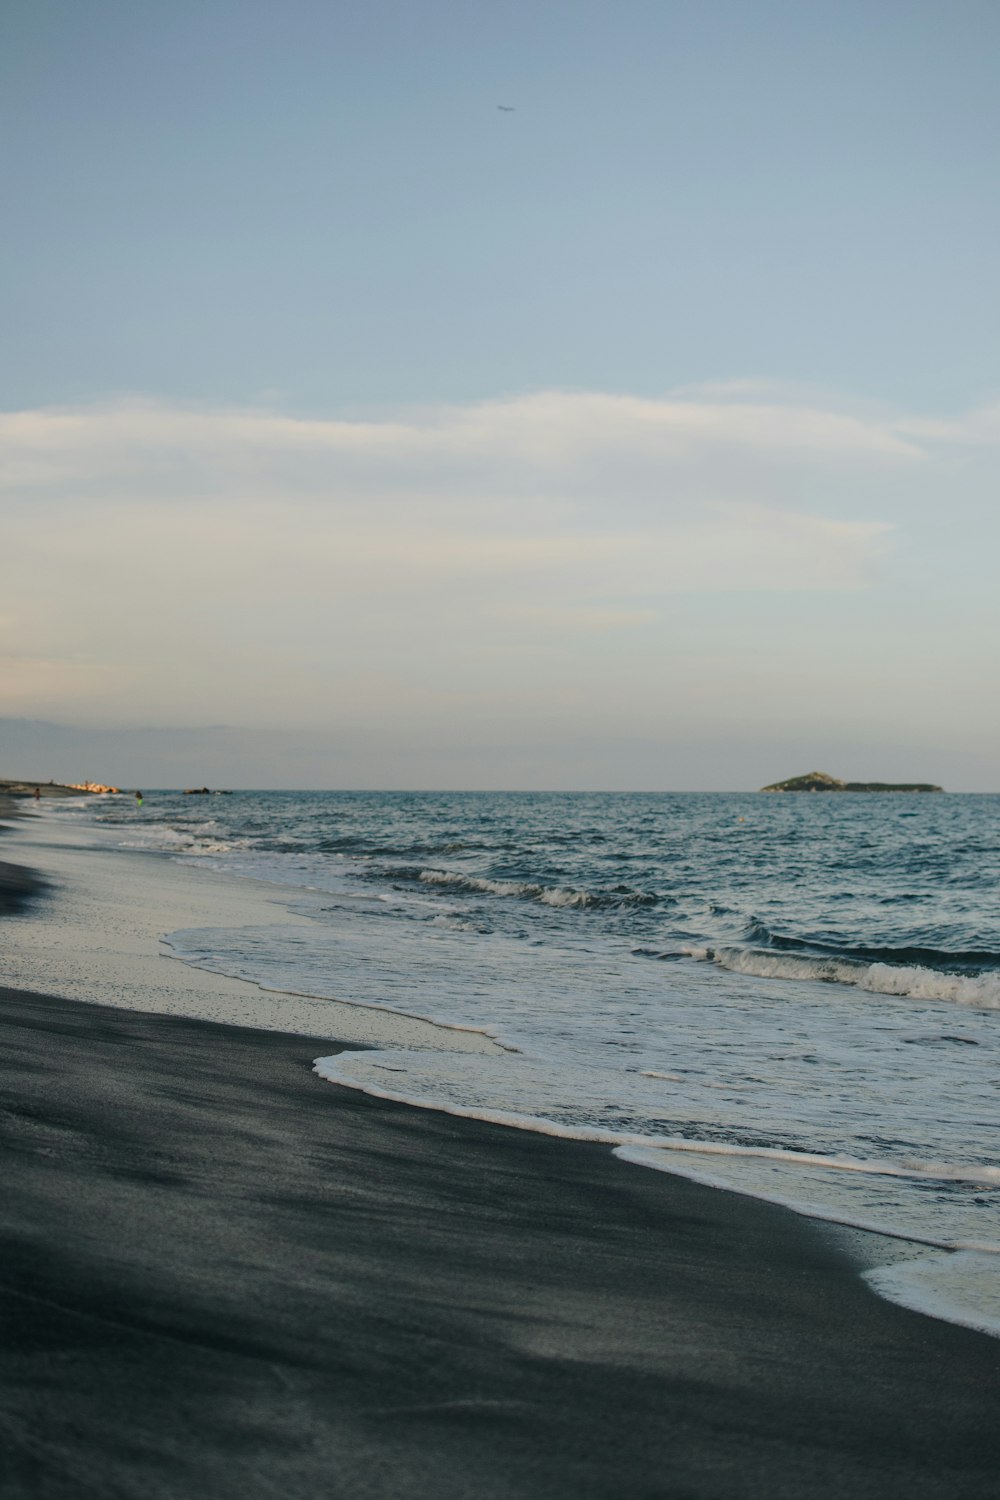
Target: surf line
(641,1151)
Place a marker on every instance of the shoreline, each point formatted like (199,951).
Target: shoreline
(97,937)
(226,1277)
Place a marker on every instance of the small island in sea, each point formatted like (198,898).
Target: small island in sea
(820,781)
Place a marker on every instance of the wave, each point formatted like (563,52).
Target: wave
(909,955)
(165,840)
(547,895)
(371,848)
(979,990)
(525,890)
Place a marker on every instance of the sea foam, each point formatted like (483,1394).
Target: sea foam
(981,990)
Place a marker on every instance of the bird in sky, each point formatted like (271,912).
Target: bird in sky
(508,109)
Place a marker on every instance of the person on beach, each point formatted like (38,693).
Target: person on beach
(138,799)
(38,794)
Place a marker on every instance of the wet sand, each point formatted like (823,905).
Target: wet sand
(222,1277)
(18,884)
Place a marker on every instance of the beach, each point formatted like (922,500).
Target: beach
(225,1276)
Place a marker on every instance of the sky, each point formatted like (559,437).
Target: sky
(642,434)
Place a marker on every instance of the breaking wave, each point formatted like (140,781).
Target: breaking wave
(547,895)
(981,990)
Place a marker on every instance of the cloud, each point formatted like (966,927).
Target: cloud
(980,426)
(548,438)
(550,570)
(185,564)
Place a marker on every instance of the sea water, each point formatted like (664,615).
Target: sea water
(794,996)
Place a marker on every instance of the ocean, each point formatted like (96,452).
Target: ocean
(792,996)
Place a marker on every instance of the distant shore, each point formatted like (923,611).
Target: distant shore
(53,789)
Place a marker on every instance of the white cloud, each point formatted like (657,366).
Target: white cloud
(175,564)
(545,438)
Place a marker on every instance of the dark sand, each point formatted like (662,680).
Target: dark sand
(17,886)
(221,1276)
(17,883)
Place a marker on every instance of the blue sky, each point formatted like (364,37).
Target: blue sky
(218,200)
(643,393)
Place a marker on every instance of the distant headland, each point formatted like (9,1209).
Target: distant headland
(55,788)
(819,781)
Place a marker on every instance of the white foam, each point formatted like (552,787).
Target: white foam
(335,1070)
(187,841)
(983,1176)
(556,896)
(662,1152)
(961,1287)
(99,940)
(979,990)
(175,941)
(928,984)
(547,895)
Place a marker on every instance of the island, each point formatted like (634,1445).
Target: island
(820,781)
